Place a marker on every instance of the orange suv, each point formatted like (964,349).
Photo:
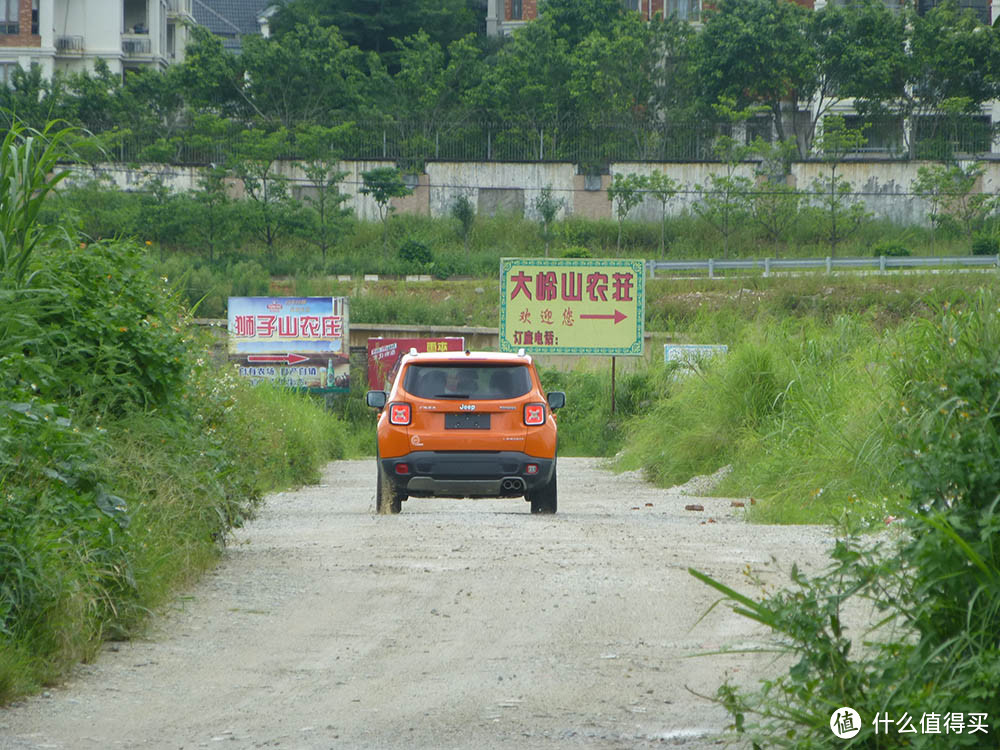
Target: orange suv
(466,424)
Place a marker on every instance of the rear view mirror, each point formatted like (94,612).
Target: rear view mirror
(376,399)
(557,399)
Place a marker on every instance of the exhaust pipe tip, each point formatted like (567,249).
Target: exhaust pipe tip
(512,484)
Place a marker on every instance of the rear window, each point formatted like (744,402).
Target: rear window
(467,381)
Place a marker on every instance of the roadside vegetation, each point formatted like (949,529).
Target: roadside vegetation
(125,457)
(901,628)
(212,251)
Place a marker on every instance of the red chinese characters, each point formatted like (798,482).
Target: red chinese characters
(570,286)
(289,327)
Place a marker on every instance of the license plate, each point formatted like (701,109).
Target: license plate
(467,421)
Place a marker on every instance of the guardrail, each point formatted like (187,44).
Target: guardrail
(880,263)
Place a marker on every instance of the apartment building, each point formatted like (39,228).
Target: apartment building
(504,16)
(71,35)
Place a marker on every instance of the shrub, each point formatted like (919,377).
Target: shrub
(416,253)
(986,244)
(890,249)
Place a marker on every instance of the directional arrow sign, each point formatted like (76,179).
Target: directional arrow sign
(618,317)
(572,305)
(290,359)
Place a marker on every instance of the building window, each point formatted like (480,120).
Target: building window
(6,72)
(516,11)
(631,4)
(9,22)
(684,10)
(34,16)
(980,7)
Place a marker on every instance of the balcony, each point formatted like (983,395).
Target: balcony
(179,8)
(69,45)
(136,46)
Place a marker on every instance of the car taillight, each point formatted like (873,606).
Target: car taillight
(399,414)
(531,469)
(534,414)
(402,468)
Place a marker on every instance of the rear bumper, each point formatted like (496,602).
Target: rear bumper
(467,473)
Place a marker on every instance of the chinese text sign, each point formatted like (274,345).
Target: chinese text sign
(301,342)
(572,306)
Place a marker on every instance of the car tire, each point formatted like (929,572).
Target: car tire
(543,500)
(387,500)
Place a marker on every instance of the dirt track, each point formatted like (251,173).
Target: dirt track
(457,624)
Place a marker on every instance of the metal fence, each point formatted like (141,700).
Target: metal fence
(767,266)
(592,145)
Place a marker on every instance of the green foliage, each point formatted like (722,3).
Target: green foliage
(373,26)
(950,191)
(842,210)
(28,175)
(270,209)
(123,460)
(986,244)
(547,206)
(587,426)
(754,52)
(416,253)
(663,188)
(935,590)
(796,407)
(625,192)
(890,249)
(383,184)
(464,213)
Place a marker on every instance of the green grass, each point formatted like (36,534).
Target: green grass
(800,407)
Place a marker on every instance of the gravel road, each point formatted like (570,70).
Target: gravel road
(457,624)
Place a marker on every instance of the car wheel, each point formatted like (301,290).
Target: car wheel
(387,500)
(543,500)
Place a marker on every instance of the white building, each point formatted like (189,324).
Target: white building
(71,35)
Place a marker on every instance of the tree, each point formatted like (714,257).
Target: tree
(575,20)
(272,210)
(318,145)
(430,91)
(664,189)
(950,191)
(861,49)
(371,25)
(757,52)
(211,77)
(383,184)
(724,196)
(216,223)
(625,192)
(774,204)
(613,81)
(307,75)
(528,86)
(158,218)
(844,212)
(952,57)
(547,206)
(464,213)
(32,99)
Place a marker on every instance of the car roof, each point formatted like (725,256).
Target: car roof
(467,357)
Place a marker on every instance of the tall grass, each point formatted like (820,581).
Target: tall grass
(798,408)
(123,460)
(934,591)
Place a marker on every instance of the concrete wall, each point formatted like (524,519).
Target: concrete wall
(514,187)
(477,338)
